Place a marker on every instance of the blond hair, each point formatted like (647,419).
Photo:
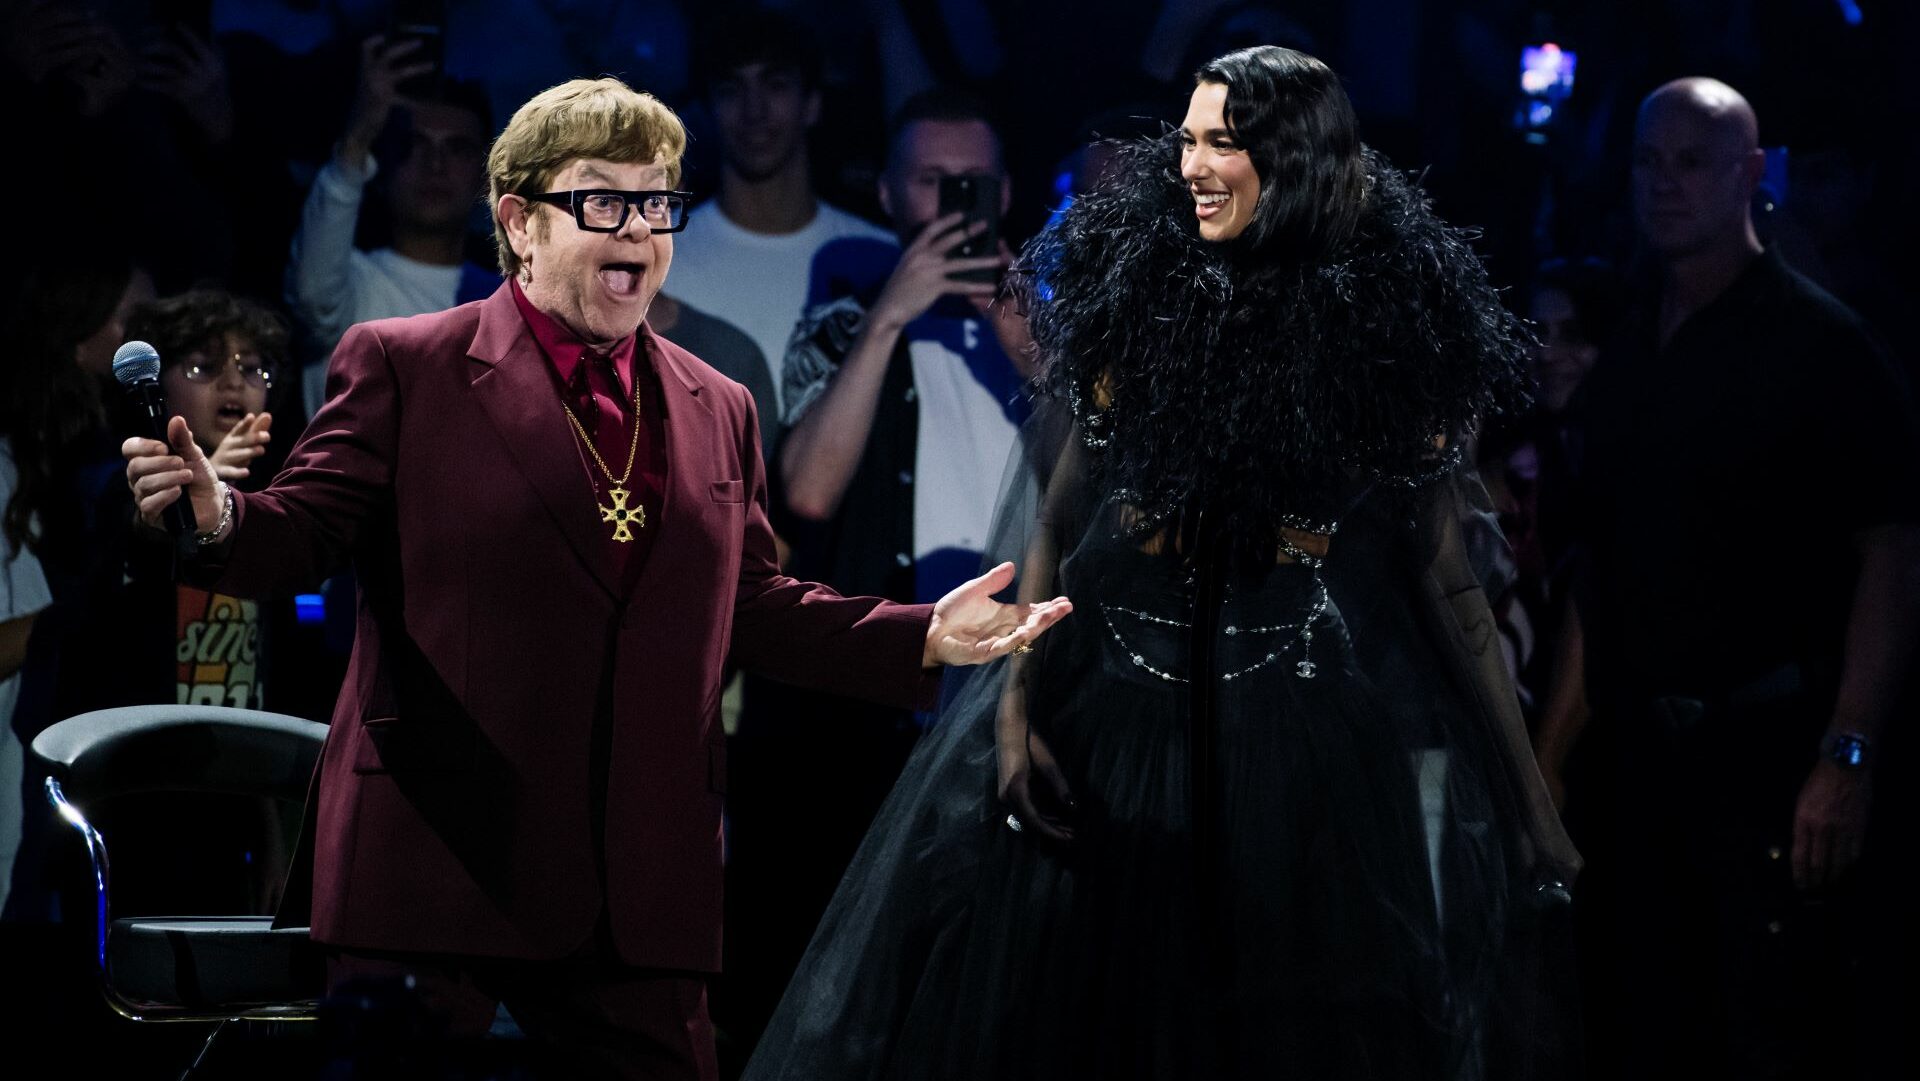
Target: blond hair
(582,118)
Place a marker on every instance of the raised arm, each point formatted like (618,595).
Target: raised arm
(829,429)
(320,284)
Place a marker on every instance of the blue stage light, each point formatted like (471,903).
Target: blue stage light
(310,608)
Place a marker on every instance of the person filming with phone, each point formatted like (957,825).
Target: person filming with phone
(426,137)
(932,325)
(902,397)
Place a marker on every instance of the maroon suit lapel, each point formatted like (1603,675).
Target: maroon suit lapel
(688,421)
(515,387)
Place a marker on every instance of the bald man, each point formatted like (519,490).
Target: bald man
(1747,611)
(1696,163)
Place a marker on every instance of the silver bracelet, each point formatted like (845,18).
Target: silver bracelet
(219,532)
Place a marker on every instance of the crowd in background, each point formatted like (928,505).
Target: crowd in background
(239,182)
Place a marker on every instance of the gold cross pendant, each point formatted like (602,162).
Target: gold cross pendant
(623,517)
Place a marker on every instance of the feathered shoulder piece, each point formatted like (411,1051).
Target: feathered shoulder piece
(1252,379)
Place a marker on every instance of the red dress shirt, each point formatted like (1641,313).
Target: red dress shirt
(599,388)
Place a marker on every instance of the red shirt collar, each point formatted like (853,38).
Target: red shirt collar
(562,348)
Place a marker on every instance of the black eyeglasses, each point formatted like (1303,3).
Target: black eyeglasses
(603,210)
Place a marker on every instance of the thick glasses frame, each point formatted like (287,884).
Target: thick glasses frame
(576,201)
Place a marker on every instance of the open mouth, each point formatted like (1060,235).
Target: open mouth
(230,413)
(623,279)
(1206,204)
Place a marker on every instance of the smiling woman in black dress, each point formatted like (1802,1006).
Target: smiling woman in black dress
(1272,809)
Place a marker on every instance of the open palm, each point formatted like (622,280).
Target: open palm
(970,627)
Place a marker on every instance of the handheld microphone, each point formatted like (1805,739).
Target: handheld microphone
(136,367)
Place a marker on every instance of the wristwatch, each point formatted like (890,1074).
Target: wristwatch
(1848,750)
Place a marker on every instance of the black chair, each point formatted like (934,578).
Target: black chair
(188,968)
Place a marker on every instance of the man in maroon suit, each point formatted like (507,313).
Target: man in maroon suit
(559,524)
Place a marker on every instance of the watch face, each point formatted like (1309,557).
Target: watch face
(1848,751)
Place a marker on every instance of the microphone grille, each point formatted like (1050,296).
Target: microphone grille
(136,362)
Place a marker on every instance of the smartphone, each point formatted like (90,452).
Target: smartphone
(424,21)
(976,195)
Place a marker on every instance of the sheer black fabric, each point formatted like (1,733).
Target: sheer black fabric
(1349,888)
(1309,837)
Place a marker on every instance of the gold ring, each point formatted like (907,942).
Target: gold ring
(1023,648)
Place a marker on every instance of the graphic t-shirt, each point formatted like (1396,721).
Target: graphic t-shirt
(217,650)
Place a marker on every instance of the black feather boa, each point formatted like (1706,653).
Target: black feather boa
(1207,376)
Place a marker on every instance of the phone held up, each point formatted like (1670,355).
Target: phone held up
(424,21)
(977,196)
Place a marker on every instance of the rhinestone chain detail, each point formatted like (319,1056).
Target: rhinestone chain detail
(1305,668)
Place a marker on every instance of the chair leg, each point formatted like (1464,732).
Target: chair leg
(204,1048)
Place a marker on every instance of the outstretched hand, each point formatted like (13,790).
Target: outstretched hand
(970,627)
(245,441)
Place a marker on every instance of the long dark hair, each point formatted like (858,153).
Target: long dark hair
(1292,115)
(1205,375)
(47,403)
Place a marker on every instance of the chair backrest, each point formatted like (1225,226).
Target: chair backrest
(133,749)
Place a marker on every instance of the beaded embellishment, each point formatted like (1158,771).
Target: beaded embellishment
(1302,631)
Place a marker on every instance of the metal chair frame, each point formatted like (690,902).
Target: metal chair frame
(126,1007)
(304,1010)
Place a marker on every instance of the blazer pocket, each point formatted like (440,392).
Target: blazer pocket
(386,745)
(729,491)
(374,733)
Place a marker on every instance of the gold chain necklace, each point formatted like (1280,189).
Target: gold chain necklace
(624,518)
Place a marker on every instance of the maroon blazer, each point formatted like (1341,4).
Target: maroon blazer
(455,809)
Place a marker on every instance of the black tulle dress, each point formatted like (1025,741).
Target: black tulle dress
(1305,845)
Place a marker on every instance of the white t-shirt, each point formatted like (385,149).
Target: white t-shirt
(23,592)
(970,410)
(758,282)
(331,285)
